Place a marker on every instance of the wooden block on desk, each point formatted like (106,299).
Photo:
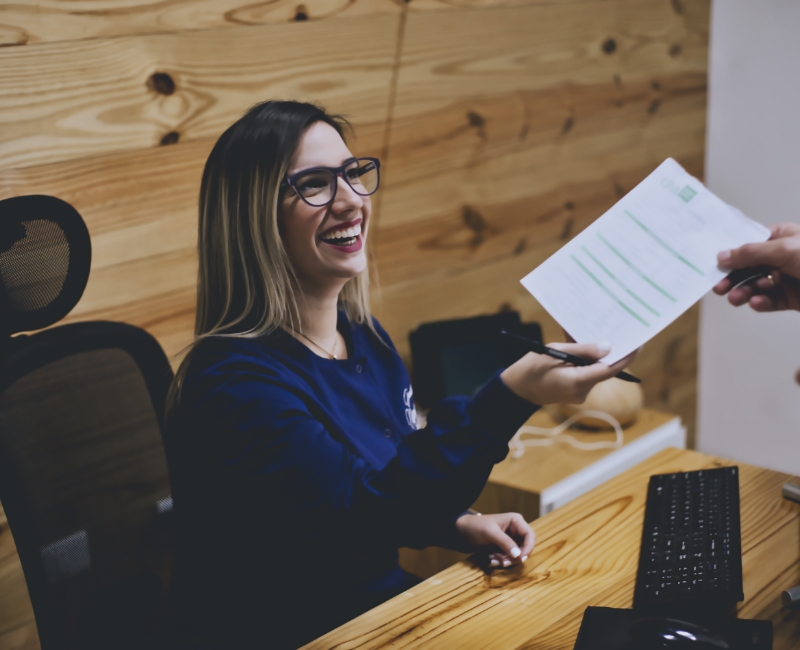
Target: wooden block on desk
(547,477)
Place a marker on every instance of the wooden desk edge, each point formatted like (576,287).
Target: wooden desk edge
(374,628)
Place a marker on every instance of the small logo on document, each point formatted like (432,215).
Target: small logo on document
(687,193)
(411,411)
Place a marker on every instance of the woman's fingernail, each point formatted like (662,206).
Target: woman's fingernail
(515,552)
(506,562)
(524,557)
(604,346)
(724,256)
(494,563)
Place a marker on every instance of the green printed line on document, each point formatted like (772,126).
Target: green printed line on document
(620,283)
(635,269)
(664,244)
(610,293)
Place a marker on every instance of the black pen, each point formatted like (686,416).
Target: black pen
(540,348)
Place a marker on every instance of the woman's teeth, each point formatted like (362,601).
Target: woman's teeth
(343,237)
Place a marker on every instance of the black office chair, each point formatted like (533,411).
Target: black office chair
(83,475)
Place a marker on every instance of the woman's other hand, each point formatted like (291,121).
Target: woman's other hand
(506,537)
(543,380)
(781,254)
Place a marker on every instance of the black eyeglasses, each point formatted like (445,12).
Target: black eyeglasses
(317,186)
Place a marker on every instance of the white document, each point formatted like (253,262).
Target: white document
(643,263)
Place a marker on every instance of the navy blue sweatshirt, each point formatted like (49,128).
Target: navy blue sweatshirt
(296,479)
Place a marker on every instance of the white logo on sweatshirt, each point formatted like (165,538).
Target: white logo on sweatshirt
(411,411)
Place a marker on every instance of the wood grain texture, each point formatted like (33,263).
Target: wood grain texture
(586,554)
(448,56)
(25,22)
(513,129)
(63,101)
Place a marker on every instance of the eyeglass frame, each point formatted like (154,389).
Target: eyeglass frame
(290,181)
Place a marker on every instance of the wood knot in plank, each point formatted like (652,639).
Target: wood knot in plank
(473,231)
(654,106)
(477,224)
(170,138)
(473,219)
(609,46)
(11,36)
(300,13)
(675,50)
(672,365)
(520,247)
(567,231)
(568,124)
(477,122)
(476,119)
(677,6)
(162,83)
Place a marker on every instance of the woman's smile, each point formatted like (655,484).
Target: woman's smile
(344,237)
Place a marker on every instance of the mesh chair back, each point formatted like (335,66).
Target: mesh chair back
(45,255)
(83,475)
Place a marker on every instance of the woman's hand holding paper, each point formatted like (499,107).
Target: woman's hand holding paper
(543,380)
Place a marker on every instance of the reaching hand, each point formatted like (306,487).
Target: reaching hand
(543,380)
(506,537)
(780,255)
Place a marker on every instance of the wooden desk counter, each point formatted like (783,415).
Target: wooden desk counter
(586,554)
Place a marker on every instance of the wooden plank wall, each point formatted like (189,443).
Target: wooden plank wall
(505,127)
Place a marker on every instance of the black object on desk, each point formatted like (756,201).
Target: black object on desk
(606,628)
(691,553)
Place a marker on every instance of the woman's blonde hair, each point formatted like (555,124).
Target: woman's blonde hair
(246,286)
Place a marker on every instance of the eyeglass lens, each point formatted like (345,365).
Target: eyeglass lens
(317,186)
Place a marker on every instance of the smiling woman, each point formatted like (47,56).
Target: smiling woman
(291,422)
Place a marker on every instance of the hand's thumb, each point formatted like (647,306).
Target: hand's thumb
(749,255)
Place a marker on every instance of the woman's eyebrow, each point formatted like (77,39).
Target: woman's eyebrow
(302,169)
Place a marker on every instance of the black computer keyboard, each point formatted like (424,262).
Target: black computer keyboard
(691,553)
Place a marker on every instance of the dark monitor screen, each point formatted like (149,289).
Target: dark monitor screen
(468,366)
(457,357)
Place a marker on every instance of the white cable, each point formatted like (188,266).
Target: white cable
(518,444)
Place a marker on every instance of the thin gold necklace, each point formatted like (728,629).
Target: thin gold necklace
(332,354)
